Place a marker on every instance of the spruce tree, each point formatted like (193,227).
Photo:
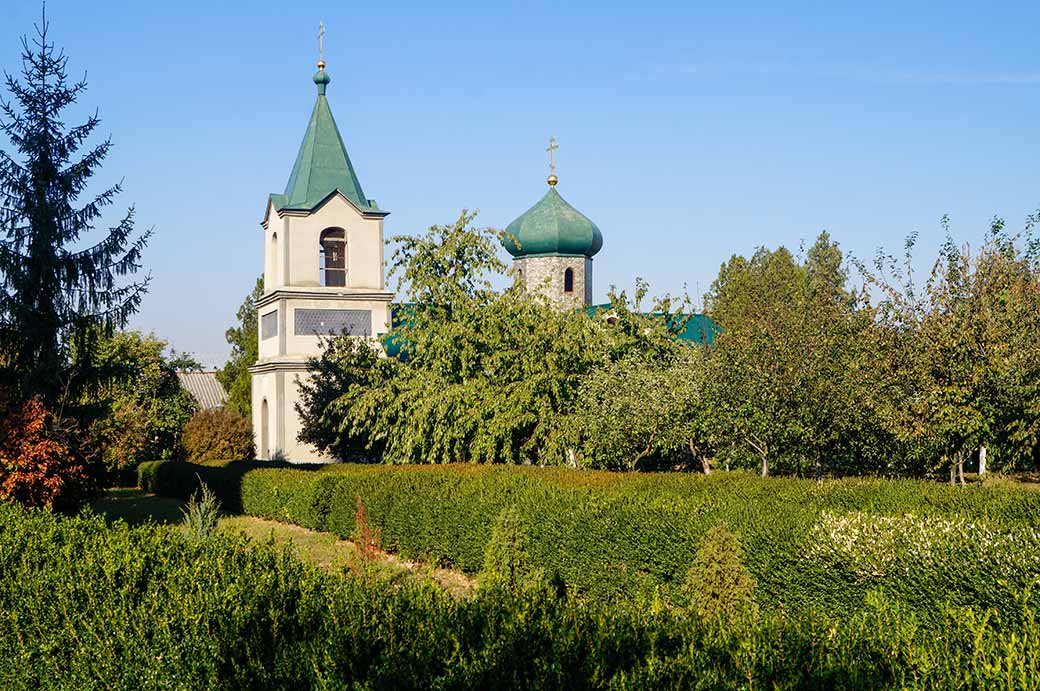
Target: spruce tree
(58,288)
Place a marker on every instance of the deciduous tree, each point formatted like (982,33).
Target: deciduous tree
(235,376)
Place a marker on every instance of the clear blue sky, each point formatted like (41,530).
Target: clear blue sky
(689,131)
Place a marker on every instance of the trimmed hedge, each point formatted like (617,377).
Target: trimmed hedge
(612,535)
(84,605)
(181,479)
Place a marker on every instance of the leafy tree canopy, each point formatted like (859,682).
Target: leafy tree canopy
(137,405)
(484,376)
(806,375)
(234,376)
(962,351)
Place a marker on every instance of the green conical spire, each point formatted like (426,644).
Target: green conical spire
(322,165)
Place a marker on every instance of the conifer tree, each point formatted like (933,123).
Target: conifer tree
(719,587)
(58,288)
(507,564)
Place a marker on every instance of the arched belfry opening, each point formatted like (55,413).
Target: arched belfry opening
(333,257)
(568,281)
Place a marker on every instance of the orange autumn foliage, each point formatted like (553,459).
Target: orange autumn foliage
(39,462)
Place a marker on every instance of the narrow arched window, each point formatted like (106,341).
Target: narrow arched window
(264,448)
(274,260)
(568,281)
(332,262)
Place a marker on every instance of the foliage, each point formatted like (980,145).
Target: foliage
(961,368)
(805,375)
(217,434)
(40,464)
(472,383)
(661,403)
(201,514)
(507,565)
(786,379)
(873,548)
(184,361)
(448,268)
(341,402)
(135,403)
(615,535)
(234,376)
(182,479)
(718,586)
(483,376)
(59,289)
(167,612)
(366,538)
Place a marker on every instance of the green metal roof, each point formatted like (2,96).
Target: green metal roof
(699,328)
(322,166)
(552,227)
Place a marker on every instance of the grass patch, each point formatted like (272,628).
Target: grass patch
(135,507)
(322,549)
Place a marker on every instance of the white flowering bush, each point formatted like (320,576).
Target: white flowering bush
(872,547)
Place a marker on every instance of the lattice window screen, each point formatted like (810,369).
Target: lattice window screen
(269,325)
(324,322)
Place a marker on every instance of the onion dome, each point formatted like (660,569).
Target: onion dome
(321,78)
(552,227)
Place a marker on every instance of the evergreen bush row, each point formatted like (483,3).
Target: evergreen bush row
(84,605)
(614,535)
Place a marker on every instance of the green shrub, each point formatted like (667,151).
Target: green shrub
(201,514)
(84,605)
(507,565)
(290,496)
(718,587)
(217,434)
(135,407)
(612,535)
(181,479)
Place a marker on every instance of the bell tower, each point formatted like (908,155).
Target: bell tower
(323,274)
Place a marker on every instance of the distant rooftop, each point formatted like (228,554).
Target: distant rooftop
(204,388)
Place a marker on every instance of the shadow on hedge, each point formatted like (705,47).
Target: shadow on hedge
(180,479)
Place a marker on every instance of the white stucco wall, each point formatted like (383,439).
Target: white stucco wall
(288,343)
(274,252)
(281,390)
(292,281)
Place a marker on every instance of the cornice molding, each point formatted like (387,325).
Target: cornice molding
(307,294)
(279,366)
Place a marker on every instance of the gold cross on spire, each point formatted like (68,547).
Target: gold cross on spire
(553,146)
(321,44)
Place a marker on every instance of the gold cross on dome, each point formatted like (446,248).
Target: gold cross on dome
(553,146)
(321,41)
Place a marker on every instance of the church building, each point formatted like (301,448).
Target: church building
(323,274)
(323,271)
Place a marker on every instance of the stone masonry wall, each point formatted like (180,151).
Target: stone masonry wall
(545,275)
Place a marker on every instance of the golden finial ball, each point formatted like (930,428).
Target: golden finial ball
(552,180)
(321,64)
